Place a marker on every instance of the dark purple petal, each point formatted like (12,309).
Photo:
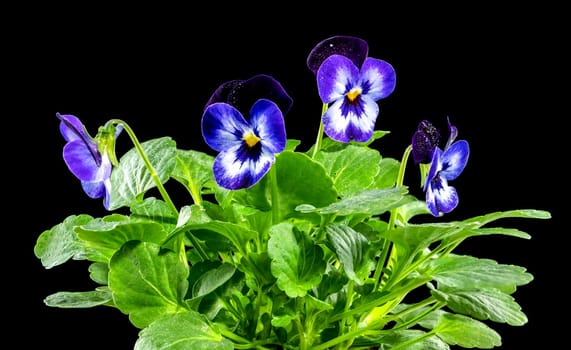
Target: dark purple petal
(223,126)
(424,140)
(335,77)
(242,94)
(454,159)
(268,123)
(355,49)
(379,77)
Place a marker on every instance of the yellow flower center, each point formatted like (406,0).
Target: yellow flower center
(251,139)
(354,93)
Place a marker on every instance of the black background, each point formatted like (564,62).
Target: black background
(497,74)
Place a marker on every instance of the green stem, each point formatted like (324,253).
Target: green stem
(242,343)
(345,320)
(300,329)
(387,252)
(275,194)
(319,139)
(148,164)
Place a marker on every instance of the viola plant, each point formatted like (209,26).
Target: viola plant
(284,248)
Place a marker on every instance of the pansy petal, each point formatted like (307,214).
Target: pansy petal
(453,132)
(98,189)
(224,92)
(268,122)
(356,49)
(441,198)
(454,159)
(107,197)
(83,163)
(344,122)
(72,128)
(94,189)
(336,76)
(235,169)
(243,93)
(435,167)
(379,77)
(223,126)
(424,140)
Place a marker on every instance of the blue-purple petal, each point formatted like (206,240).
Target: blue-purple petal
(268,122)
(94,189)
(454,159)
(440,197)
(223,126)
(355,49)
(435,167)
(452,132)
(98,189)
(234,169)
(83,163)
(379,76)
(344,122)
(243,93)
(335,77)
(71,127)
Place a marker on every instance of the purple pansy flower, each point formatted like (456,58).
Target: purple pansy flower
(84,159)
(247,147)
(350,83)
(446,165)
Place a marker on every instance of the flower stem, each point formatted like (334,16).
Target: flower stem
(387,249)
(319,139)
(148,164)
(275,194)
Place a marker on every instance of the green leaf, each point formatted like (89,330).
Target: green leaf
(155,210)
(147,282)
(351,248)
(99,272)
(371,202)
(193,169)
(238,235)
(388,172)
(468,272)
(416,238)
(466,332)
(59,244)
(410,339)
(182,331)
(352,168)
(131,179)
(104,238)
(301,180)
(296,261)
(484,304)
(78,300)
(520,213)
(212,279)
